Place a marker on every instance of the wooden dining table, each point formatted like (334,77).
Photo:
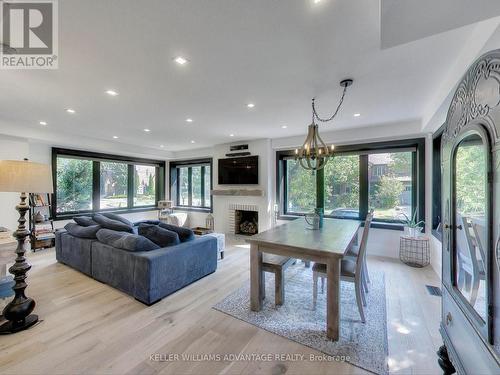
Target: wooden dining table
(326,245)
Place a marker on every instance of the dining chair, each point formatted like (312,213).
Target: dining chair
(471,268)
(352,254)
(351,271)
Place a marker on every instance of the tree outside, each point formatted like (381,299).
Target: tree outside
(74,185)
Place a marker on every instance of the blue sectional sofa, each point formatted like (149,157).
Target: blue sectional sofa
(148,276)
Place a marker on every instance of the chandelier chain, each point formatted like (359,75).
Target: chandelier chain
(316,116)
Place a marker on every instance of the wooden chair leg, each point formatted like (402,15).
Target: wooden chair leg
(363,292)
(359,301)
(365,270)
(263,286)
(315,289)
(279,288)
(322,285)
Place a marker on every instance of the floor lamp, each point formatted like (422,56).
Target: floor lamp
(22,177)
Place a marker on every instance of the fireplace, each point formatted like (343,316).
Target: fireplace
(246,222)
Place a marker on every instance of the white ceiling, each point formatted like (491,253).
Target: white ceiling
(277,54)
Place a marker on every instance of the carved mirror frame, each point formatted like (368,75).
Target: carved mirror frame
(475,108)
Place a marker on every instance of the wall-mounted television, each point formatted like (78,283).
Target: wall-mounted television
(239,171)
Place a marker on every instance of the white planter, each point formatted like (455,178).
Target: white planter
(413,232)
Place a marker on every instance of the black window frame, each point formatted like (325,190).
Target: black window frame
(96,159)
(437,137)
(364,149)
(174,191)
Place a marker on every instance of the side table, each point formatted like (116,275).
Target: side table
(414,251)
(221,242)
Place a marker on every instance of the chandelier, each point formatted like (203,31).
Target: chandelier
(314,153)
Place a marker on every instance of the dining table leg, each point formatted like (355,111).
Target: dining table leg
(256,278)
(333,299)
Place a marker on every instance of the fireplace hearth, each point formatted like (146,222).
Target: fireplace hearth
(246,222)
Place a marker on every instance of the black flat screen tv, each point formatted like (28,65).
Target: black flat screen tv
(239,171)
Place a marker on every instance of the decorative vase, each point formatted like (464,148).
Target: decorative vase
(39,218)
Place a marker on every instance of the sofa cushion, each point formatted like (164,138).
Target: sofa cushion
(85,221)
(108,223)
(125,241)
(153,222)
(160,236)
(185,234)
(116,217)
(81,231)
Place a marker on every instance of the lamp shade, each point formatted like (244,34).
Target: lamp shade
(25,177)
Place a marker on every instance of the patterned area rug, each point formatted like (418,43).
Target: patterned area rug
(363,345)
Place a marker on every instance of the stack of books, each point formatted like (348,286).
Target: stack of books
(44,231)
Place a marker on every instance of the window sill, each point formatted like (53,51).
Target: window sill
(118,212)
(375,224)
(192,209)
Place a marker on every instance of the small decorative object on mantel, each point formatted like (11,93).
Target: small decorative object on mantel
(210,222)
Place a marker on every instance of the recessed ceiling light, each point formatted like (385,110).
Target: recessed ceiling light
(189,120)
(193,142)
(231,135)
(317,1)
(147,130)
(115,137)
(357,114)
(43,123)
(162,146)
(70,110)
(250,105)
(111,93)
(284,126)
(181,60)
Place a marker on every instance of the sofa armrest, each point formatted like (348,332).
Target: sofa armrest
(160,272)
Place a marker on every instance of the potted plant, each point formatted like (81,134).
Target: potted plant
(411,226)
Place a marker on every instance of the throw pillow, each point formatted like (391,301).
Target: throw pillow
(159,236)
(185,234)
(153,222)
(116,217)
(81,231)
(125,241)
(108,223)
(85,221)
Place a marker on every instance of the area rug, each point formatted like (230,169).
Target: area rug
(362,345)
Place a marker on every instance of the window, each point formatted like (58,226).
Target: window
(144,185)
(300,188)
(74,184)
(437,229)
(390,185)
(190,184)
(387,177)
(342,187)
(91,182)
(113,185)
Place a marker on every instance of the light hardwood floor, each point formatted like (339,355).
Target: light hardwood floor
(91,328)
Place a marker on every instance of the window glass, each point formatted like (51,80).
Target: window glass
(300,188)
(144,185)
(208,179)
(183,194)
(390,185)
(74,184)
(196,186)
(114,185)
(342,187)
